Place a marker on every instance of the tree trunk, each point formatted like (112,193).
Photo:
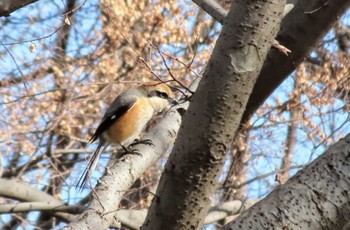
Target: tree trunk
(210,124)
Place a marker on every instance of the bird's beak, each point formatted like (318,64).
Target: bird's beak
(173,101)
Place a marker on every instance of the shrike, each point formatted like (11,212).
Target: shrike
(125,119)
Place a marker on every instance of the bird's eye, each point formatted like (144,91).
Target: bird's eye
(161,94)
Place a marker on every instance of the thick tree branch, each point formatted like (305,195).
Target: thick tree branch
(190,176)
(219,14)
(300,31)
(317,197)
(22,191)
(9,6)
(38,206)
(213,9)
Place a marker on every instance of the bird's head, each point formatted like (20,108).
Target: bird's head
(159,94)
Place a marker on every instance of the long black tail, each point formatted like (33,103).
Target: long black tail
(85,177)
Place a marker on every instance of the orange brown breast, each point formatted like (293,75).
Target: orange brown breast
(130,125)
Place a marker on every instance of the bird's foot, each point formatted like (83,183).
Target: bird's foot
(128,150)
(144,141)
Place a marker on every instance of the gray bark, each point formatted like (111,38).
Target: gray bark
(9,6)
(317,197)
(209,125)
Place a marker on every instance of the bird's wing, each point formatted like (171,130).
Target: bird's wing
(118,107)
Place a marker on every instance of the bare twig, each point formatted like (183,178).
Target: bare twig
(238,186)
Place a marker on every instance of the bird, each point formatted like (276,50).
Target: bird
(126,118)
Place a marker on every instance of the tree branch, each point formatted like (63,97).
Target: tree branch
(9,6)
(19,190)
(219,14)
(317,192)
(299,33)
(213,9)
(247,182)
(190,175)
(38,206)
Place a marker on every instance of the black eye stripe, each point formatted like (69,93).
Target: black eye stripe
(160,94)
(163,95)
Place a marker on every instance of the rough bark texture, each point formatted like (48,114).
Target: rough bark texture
(316,198)
(300,30)
(209,125)
(9,6)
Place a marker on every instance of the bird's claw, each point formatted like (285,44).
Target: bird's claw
(143,141)
(130,151)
